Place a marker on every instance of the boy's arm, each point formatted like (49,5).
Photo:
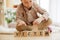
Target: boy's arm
(19,16)
(41,11)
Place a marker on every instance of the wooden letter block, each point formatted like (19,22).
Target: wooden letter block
(19,34)
(47,33)
(32,33)
(41,33)
(29,34)
(24,34)
(38,34)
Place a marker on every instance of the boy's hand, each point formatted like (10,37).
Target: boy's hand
(38,21)
(21,23)
(35,22)
(45,15)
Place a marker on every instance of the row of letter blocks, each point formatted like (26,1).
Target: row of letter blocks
(32,33)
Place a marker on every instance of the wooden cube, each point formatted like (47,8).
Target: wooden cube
(47,33)
(24,34)
(38,34)
(29,34)
(41,33)
(32,34)
(19,34)
(15,34)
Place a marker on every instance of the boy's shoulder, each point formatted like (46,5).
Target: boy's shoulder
(19,6)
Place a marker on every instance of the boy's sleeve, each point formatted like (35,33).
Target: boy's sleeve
(43,12)
(38,8)
(19,16)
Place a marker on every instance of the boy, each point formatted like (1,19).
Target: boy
(27,15)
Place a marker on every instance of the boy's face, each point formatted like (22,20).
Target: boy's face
(27,3)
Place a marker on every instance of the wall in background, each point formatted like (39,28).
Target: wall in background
(55,10)
(45,4)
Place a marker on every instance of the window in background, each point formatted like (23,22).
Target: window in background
(55,11)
